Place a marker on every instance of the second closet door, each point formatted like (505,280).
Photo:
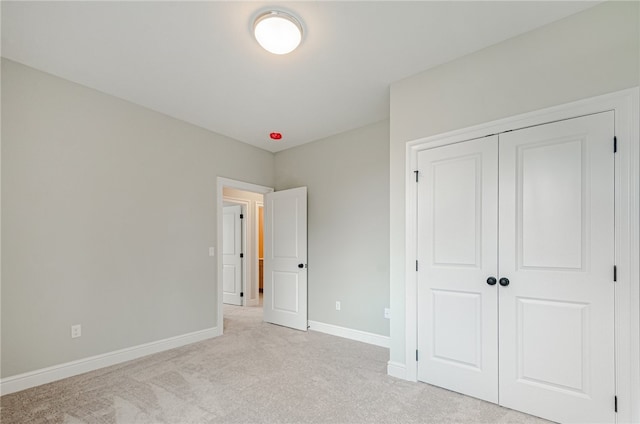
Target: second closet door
(557,249)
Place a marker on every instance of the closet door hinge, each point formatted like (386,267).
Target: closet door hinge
(241,216)
(417,173)
(615,144)
(615,273)
(615,403)
(416,355)
(416,265)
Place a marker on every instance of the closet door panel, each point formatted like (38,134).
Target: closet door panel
(556,222)
(457,252)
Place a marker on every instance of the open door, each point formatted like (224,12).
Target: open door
(285,258)
(232,255)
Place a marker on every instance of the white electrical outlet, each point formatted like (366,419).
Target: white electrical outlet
(337,305)
(76,331)
(387,313)
(212,251)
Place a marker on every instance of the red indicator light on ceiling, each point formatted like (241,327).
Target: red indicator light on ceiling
(275,136)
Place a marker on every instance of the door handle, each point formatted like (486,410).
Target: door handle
(492,281)
(300,265)
(504,282)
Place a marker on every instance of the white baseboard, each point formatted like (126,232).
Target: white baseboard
(348,333)
(69,369)
(397,370)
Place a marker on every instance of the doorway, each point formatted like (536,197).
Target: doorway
(250,198)
(242,245)
(285,253)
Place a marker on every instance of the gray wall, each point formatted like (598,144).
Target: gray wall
(347,176)
(591,53)
(108,210)
(107,216)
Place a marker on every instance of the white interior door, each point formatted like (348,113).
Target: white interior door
(557,250)
(232,255)
(457,254)
(285,258)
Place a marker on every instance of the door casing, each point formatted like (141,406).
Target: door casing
(626,107)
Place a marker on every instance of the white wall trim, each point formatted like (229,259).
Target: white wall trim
(69,369)
(397,370)
(625,105)
(349,333)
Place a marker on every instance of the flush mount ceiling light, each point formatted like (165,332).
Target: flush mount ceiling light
(277,32)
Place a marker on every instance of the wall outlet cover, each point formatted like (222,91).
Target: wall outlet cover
(76,331)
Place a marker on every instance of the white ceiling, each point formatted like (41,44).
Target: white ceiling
(198,61)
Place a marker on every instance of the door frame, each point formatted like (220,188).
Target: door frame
(626,107)
(222,182)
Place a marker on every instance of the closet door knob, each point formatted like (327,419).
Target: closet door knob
(492,281)
(504,282)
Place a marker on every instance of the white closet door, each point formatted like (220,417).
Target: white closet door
(457,253)
(557,250)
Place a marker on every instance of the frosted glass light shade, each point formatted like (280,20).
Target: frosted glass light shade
(277,32)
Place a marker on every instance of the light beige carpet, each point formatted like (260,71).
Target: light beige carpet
(255,373)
